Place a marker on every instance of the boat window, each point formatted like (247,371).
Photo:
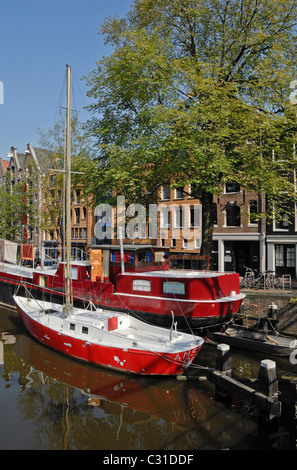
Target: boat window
(72,326)
(116,257)
(173,288)
(85,330)
(144,257)
(142,284)
(74,273)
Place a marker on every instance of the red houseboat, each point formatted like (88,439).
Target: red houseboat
(136,279)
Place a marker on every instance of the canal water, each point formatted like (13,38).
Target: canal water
(50,402)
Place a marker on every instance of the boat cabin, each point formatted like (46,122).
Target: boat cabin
(104,265)
(88,324)
(137,258)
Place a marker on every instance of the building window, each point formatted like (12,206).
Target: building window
(77,201)
(77,215)
(290,256)
(279,255)
(283,223)
(197,243)
(52,180)
(173,242)
(232,216)
(179,217)
(195,214)
(165,217)
(253,211)
(185,244)
(232,188)
(173,287)
(142,285)
(165,193)
(179,193)
(285,256)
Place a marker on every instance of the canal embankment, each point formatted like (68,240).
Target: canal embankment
(279,305)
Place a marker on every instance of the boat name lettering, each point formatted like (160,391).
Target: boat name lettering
(185,355)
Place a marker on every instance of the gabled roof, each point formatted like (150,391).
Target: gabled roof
(43,158)
(16,159)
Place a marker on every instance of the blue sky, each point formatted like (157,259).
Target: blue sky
(37,39)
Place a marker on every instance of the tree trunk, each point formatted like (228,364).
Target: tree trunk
(207,224)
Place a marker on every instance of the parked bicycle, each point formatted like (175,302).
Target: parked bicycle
(249,279)
(267,280)
(257,280)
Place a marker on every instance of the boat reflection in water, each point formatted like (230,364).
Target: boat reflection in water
(54,402)
(155,396)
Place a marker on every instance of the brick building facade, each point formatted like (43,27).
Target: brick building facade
(239,239)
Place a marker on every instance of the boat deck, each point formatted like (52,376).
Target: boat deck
(25,271)
(177,273)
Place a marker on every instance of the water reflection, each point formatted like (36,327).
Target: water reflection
(48,401)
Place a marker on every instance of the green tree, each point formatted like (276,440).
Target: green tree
(14,208)
(196,92)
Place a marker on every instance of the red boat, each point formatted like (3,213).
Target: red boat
(109,339)
(142,284)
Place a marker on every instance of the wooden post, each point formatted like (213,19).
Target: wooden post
(265,400)
(267,378)
(223,359)
(268,386)
(223,365)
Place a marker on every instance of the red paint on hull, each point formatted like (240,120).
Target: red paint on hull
(131,361)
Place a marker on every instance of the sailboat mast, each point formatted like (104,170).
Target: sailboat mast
(68,186)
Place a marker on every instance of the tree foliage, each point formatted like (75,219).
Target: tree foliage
(195,92)
(14,209)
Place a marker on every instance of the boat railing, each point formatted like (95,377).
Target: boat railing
(33,255)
